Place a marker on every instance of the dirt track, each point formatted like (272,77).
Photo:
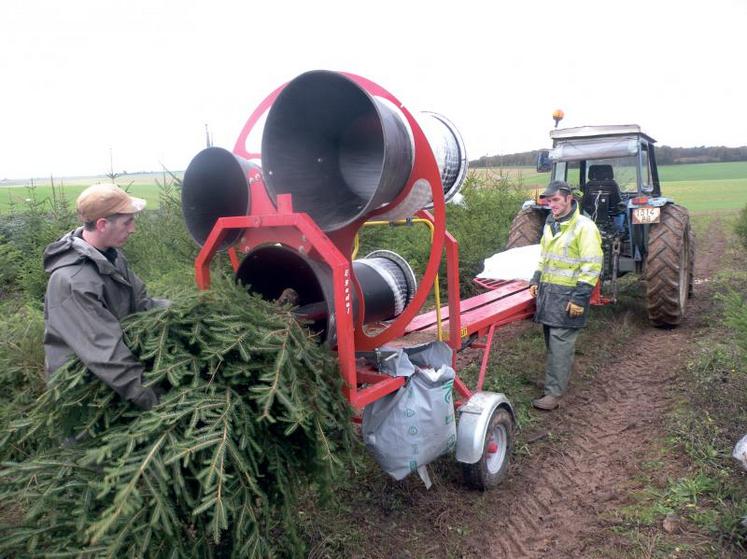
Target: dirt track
(553,505)
(578,465)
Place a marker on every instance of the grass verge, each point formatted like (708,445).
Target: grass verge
(692,498)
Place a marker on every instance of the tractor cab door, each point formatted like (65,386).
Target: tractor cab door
(649,174)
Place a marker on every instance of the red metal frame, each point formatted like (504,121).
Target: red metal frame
(299,232)
(278,223)
(597,299)
(479,316)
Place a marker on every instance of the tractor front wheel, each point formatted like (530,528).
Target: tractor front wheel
(526,228)
(669,269)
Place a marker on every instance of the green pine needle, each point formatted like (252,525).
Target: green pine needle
(253,409)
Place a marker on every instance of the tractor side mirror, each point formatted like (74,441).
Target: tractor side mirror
(544,165)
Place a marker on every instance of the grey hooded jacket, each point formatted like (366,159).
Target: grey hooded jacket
(86,298)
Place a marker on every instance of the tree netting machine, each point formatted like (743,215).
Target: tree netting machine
(338,151)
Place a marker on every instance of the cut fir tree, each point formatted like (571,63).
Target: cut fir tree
(252,408)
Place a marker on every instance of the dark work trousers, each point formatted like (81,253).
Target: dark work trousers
(560,344)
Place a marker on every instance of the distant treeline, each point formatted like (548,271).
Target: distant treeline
(665,155)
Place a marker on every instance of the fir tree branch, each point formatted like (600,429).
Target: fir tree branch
(98,529)
(269,393)
(254,412)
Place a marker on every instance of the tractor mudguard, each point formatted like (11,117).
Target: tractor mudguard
(535,205)
(472,427)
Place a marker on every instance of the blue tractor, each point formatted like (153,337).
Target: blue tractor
(614,171)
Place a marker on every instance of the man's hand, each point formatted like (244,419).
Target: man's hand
(146,399)
(533,290)
(574,310)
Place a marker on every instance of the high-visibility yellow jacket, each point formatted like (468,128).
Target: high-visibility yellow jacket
(568,269)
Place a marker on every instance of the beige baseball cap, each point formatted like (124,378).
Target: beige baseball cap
(105,199)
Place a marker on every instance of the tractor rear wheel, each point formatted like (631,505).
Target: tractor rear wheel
(669,266)
(526,228)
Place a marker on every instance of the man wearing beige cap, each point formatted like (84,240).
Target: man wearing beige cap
(91,289)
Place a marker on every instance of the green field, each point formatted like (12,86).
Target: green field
(701,187)
(143,185)
(706,196)
(19,196)
(703,171)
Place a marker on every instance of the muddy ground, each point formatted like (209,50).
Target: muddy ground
(572,469)
(609,426)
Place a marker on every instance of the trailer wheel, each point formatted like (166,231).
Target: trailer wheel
(492,466)
(669,272)
(526,228)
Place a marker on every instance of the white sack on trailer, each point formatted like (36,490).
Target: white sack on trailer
(513,264)
(740,452)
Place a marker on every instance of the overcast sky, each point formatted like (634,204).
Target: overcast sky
(143,77)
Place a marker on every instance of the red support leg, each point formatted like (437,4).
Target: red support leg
(485,358)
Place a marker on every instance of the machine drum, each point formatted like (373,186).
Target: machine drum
(214,186)
(451,158)
(448,149)
(279,273)
(387,282)
(339,151)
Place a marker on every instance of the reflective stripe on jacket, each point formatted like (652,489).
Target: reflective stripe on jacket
(573,254)
(568,269)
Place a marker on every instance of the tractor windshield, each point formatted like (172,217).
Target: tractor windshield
(620,169)
(611,158)
(623,171)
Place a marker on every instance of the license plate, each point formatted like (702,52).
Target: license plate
(646,215)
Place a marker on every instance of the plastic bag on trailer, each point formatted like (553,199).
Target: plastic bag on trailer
(740,452)
(408,429)
(515,263)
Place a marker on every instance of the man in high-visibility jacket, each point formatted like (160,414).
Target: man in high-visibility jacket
(566,274)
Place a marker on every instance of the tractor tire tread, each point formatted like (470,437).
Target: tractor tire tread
(663,266)
(526,228)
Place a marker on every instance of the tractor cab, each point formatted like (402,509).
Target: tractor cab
(610,165)
(614,170)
